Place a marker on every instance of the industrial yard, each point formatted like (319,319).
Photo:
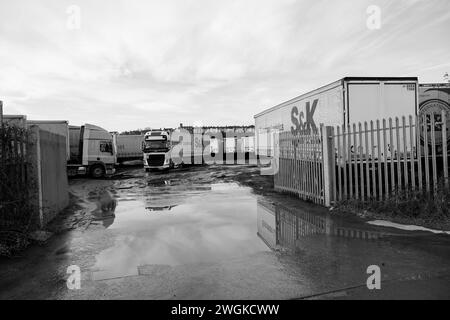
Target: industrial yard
(217,233)
(224,151)
(242,212)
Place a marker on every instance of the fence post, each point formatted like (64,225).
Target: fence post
(444,147)
(328,164)
(35,174)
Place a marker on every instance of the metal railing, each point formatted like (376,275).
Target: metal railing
(377,159)
(366,161)
(300,166)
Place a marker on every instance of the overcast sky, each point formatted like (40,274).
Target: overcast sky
(135,64)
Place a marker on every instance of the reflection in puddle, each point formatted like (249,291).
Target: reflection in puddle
(212,228)
(105,211)
(205,227)
(163,208)
(159,182)
(281,227)
(331,251)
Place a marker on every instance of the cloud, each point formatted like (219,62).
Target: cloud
(136,64)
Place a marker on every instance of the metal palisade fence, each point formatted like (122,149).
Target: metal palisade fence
(378,159)
(300,166)
(370,161)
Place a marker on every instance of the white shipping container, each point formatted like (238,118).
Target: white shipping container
(343,102)
(248,144)
(230,145)
(214,145)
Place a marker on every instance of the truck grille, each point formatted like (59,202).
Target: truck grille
(156,160)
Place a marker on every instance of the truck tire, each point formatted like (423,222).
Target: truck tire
(97,171)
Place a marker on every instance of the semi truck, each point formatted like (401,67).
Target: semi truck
(169,148)
(343,102)
(93,151)
(90,149)
(156,149)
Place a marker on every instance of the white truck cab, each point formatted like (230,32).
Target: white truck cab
(156,150)
(92,151)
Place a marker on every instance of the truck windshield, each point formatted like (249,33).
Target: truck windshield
(149,145)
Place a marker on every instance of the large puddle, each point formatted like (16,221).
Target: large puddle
(166,224)
(201,224)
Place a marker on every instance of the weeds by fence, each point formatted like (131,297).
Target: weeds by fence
(16,209)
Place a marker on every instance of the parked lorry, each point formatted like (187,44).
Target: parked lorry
(129,147)
(343,102)
(92,151)
(157,148)
(169,148)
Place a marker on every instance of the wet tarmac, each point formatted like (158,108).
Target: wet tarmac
(201,234)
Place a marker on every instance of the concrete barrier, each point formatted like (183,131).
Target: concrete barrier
(47,156)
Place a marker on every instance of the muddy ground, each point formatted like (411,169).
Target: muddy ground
(218,232)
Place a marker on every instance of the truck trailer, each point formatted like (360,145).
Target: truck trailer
(343,102)
(129,147)
(90,149)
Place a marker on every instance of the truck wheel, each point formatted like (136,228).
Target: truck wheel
(98,171)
